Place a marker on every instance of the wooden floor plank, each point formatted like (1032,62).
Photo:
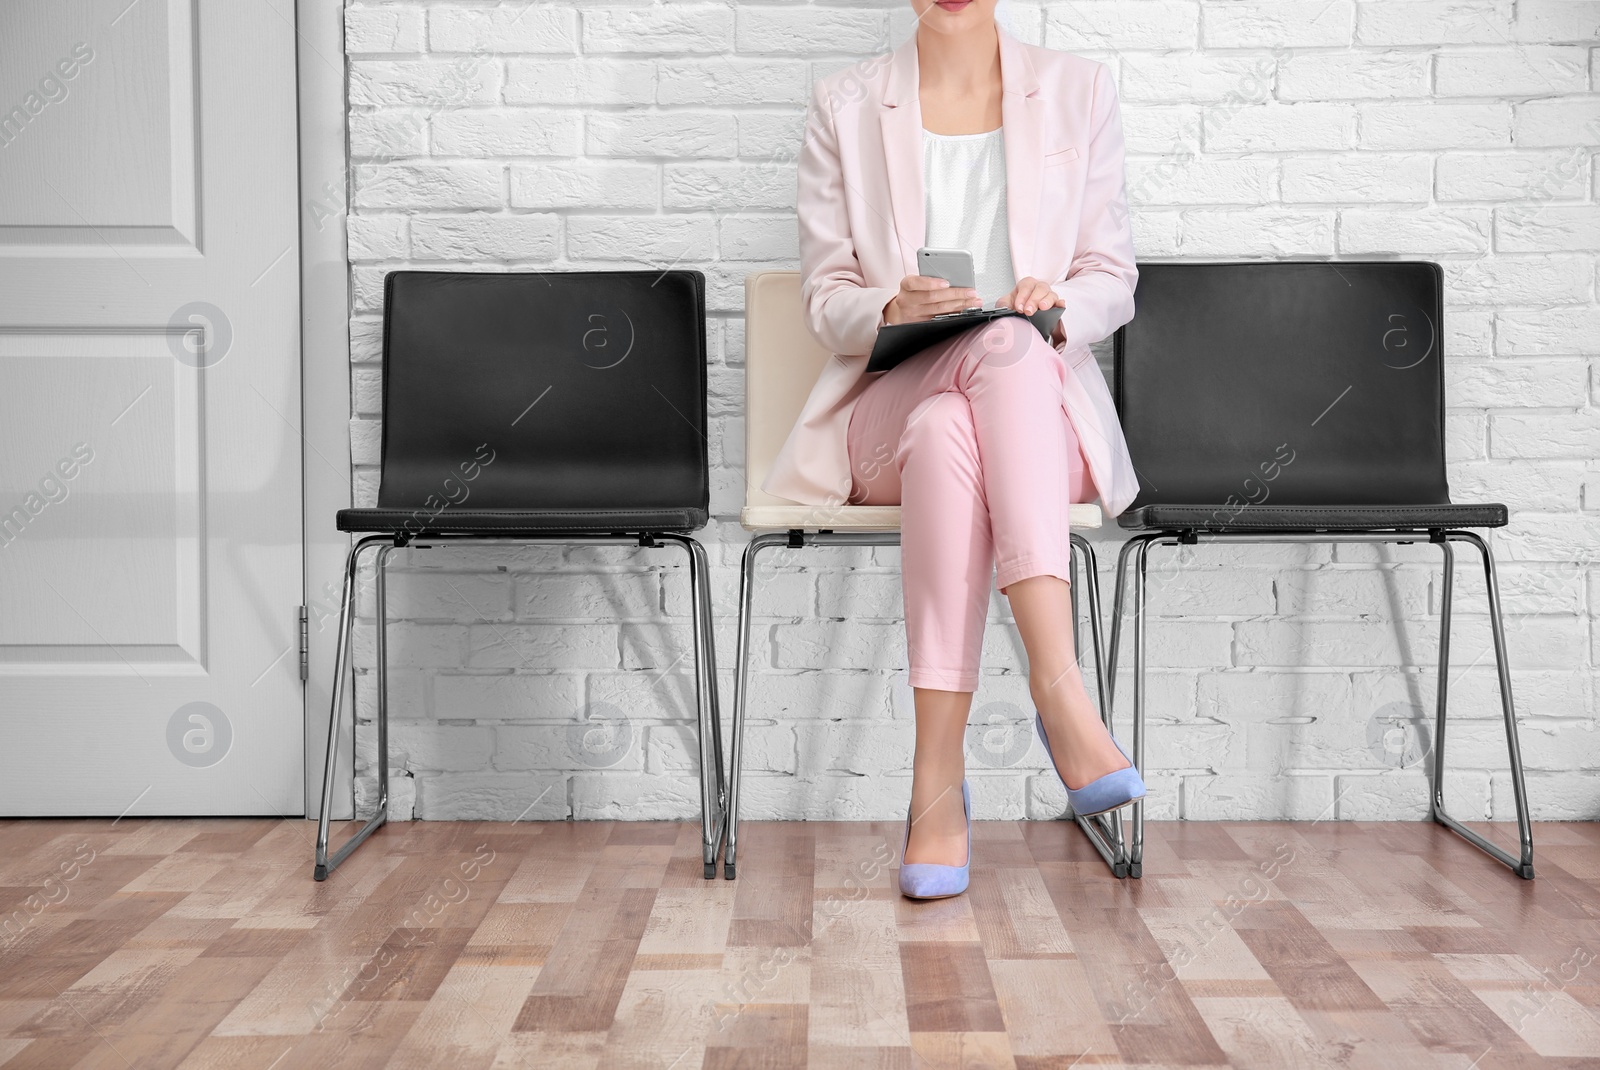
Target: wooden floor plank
(204,944)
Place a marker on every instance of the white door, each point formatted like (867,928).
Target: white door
(150,535)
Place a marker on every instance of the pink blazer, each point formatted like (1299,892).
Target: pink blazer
(862,219)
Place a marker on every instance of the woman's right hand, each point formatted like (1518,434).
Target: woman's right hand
(923,297)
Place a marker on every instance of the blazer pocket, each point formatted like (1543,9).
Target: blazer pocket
(1060,156)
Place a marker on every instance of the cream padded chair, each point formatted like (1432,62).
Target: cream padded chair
(782,362)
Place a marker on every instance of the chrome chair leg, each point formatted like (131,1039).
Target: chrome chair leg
(741,693)
(342,671)
(1104,831)
(708,716)
(1521,866)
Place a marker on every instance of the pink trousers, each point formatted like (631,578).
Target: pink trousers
(971,439)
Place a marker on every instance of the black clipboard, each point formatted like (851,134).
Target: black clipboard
(897,342)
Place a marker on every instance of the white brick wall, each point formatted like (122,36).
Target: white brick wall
(550,683)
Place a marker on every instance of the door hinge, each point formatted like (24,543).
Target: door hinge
(305,645)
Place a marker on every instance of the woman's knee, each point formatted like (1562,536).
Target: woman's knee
(1012,347)
(940,427)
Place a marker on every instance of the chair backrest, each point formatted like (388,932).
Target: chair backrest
(583,389)
(1310,382)
(781,364)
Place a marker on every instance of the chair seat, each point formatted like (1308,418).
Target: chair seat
(1312,518)
(516,521)
(860,517)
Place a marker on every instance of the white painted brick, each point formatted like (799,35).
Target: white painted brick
(1403,795)
(1160,128)
(583,745)
(388,134)
(1519,280)
(429,83)
(366,391)
(651,239)
(492,797)
(1521,384)
(534,647)
(1550,21)
(378,237)
(587,186)
(674,750)
(505,697)
(671,134)
(1201,180)
(1418,232)
(515,28)
(1413,126)
(1256,232)
(1360,177)
(368,28)
(838,645)
(1469,333)
(799,29)
(1155,25)
(446,596)
(1189,77)
(1279,23)
(421,746)
(1573,121)
(486,237)
(728,81)
(1547,228)
(1176,591)
(1258,796)
(729,187)
(1569,796)
(430,185)
(1319,76)
(1381,594)
(1543,486)
(1535,176)
(1527,71)
(854,747)
(513,132)
(1551,331)
(685,27)
(597,596)
(1547,537)
(1434,22)
(412,645)
(580,81)
(770,138)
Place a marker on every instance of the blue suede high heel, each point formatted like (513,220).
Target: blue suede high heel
(930,880)
(1116,789)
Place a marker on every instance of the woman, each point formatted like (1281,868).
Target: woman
(965,137)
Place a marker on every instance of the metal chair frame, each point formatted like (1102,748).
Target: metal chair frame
(1140,545)
(1104,830)
(712,791)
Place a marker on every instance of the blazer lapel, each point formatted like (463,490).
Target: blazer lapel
(1021,115)
(901,122)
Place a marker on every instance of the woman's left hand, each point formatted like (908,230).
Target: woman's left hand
(1030,296)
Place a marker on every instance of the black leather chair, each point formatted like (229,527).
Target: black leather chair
(542,407)
(1296,402)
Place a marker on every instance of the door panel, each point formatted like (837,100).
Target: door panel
(150,536)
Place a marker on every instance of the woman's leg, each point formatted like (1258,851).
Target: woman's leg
(933,472)
(1034,471)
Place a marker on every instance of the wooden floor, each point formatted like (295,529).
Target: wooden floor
(205,943)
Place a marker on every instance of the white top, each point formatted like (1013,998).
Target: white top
(964,179)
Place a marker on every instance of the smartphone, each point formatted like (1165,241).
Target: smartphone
(952,265)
